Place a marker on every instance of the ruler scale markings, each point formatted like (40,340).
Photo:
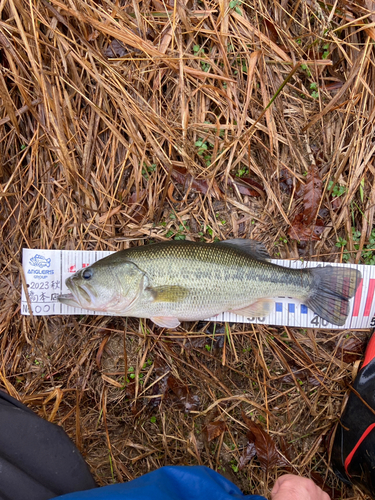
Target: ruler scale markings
(372,310)
(285,311)
(370,296)
(357,299)
(350,318)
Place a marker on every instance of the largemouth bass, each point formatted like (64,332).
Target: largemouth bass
(179,281)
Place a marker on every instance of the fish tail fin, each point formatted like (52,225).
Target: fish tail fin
(330,292)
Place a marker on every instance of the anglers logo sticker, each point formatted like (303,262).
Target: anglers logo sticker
(40,261)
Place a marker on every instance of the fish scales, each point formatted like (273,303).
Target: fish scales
(219,278)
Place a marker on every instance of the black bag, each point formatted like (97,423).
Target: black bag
(353,451)
(38,461)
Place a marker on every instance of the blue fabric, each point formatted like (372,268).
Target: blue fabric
(168,483)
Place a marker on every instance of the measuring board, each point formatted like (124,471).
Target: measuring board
(47,270)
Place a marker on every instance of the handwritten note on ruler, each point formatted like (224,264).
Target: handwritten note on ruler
(47,270)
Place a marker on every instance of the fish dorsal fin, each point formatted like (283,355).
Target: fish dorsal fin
(167,293)
(254,248)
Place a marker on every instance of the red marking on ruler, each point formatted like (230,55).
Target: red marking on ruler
(357,299)
(370,296)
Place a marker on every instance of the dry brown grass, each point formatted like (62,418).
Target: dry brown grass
(100,101)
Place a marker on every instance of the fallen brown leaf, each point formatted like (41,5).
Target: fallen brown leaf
(305,226)
(350,350)
(214,429)
(138,205)
(183,177)
(247,186)
(266,451)
(248,454)
(185,401)
(272,32)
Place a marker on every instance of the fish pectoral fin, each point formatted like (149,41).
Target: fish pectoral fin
(172,293)
(253,248)
(259,309)
(165,321)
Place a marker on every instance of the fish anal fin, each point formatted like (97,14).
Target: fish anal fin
(168,293)
(259,309)
(253,248)
(165,321)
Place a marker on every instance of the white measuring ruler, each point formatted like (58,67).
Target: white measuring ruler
(47,270)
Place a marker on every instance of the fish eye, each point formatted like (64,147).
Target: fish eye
(87,274)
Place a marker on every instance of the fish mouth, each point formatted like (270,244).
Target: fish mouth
(77,298)
(68,299)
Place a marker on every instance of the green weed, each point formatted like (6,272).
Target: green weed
(326,51)
(337,190)
(235,4)
(242,172)
(148,170)
(179,233)
(203,147)
(367,255)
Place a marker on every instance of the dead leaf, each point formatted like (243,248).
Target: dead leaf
(248,454)
(177,387)
(137,205)
(334,86)
(300,231)
(304,375)
(350,350)
(130,390)
(182,176)
(312,193)
(247,186)
(160,388)
(265,446)
(99,354)
(286,181)
(336,202)
(185,401)
(116,49)
(272,32)
(305,226)
(105,217)
(287,449)
(214,429)
(169,388)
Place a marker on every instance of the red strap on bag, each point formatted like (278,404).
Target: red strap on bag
(351,454)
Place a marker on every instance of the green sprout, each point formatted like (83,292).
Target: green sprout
(337,190)
(234,4)
(242,172)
